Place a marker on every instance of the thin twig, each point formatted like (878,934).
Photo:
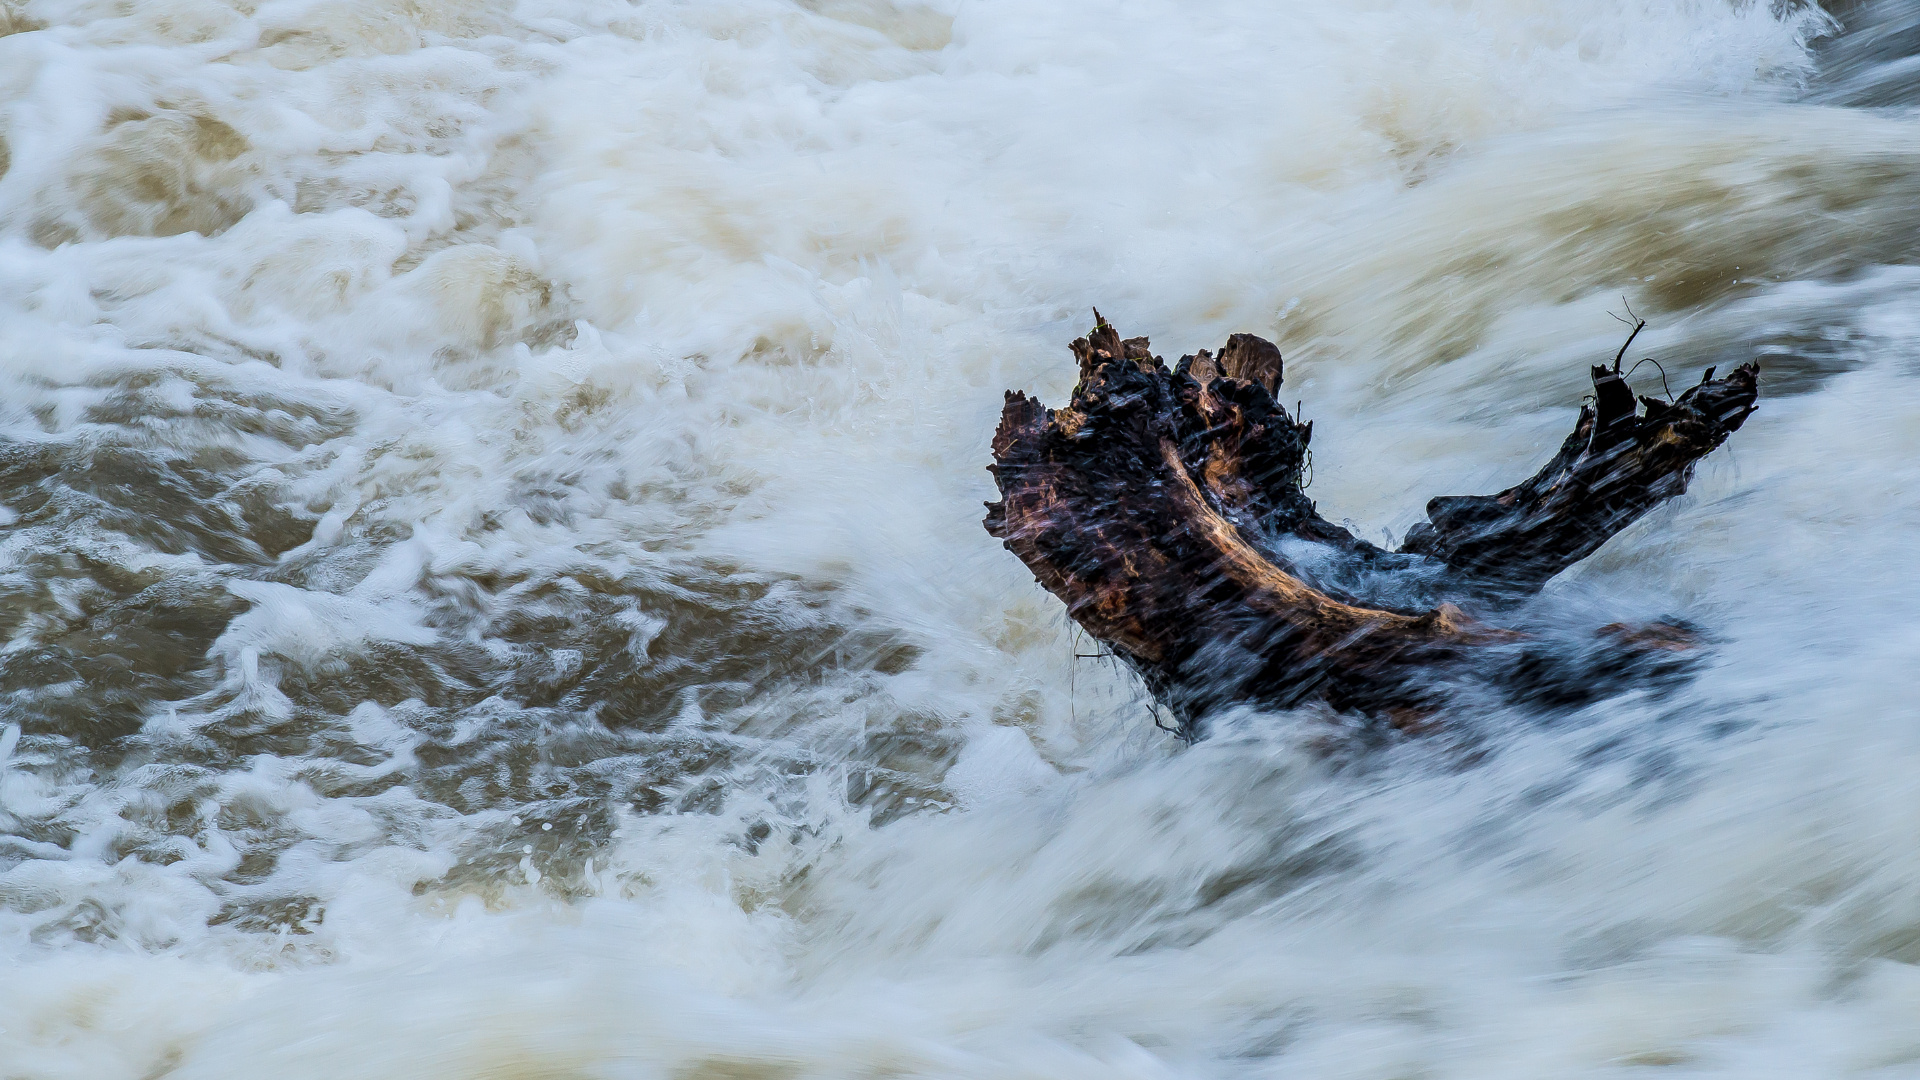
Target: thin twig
(1298,408)
(1639,325)
(1179,731)
(1073,670)
(1663,375)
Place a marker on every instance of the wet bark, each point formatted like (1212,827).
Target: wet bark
(1158,503)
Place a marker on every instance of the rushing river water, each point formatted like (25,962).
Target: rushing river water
(493,586)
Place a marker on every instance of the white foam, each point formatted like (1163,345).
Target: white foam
(584,285)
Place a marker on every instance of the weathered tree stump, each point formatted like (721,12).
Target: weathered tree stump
(1159,503)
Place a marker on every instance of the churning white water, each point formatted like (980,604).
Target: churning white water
(491,582)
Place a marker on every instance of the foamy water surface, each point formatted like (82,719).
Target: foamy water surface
(493,586)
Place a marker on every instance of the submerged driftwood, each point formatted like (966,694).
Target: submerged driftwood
(1159,503)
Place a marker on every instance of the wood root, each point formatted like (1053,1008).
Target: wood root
(1159,503)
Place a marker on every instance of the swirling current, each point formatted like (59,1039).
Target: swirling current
(492,584)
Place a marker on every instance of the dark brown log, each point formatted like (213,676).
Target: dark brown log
(1154,503)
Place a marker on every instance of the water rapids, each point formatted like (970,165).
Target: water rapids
(491,583)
